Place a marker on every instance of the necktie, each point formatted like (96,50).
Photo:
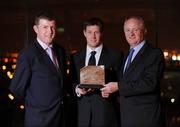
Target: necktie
(131,51)
(52,56)
(92,59)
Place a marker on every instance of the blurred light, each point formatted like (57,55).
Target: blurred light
(14,55)
(10,76)
(73,51)
(14,60)
(178,57)
(174,57)
(8,73)
(21,107)
(13,66)
(68,62)
(165,53)
(5,60)
(67,71)
(60,29)
(178,119)
(162,94)
(11,96)
(173,100)
(4,67)
(169,87)
(173,119)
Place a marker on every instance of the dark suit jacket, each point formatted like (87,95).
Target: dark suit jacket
(41,85)
(140,89)
(93,109)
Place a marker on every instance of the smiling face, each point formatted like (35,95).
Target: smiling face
(45,30)
(93,36)
(135,31)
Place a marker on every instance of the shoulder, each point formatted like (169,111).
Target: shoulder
(59,47)
(28,50)
(79,53)
(156,50)
(112,52)
(153,52)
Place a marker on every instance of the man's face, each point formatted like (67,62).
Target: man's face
(134,32)
(45,30)
(93,36)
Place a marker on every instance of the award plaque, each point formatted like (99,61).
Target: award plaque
(92,77)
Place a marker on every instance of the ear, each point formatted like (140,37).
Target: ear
(35,28)
(145,31)
(84,32)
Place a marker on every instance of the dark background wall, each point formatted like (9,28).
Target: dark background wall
(162,18)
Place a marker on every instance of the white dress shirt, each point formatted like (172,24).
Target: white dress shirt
(97,55)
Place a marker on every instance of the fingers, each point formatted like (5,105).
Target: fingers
(106,89)
(104,94)
(82,91)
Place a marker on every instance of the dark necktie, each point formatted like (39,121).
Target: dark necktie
(131,51)
(92,60)
(52,56)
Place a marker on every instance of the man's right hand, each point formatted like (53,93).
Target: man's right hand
(81,91)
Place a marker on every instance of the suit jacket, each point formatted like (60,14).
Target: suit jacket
(41,85)
(140,89)
(93,109)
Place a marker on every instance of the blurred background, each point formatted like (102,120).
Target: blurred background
(162,18)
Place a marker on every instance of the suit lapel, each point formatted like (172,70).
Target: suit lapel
(103,56)
(124,61)
(59,59)
(136,60)
(45,58)
(81,59)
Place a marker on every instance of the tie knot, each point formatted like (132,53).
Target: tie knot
(49,49)
(131,51)
(93,53)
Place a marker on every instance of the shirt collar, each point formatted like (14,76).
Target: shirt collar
(43,45)
(139,46)
(98,49)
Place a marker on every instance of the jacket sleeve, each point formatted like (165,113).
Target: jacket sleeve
(21,78)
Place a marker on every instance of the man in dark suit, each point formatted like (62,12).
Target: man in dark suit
(93,110)
(139,84)
(40,75)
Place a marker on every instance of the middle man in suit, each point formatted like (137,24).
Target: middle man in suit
(95,108)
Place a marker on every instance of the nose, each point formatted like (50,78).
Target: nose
(94,35)
(131,32)
(50,30)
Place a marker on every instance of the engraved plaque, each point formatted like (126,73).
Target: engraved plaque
(92,77)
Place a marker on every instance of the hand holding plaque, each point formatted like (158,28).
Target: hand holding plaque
(92,77)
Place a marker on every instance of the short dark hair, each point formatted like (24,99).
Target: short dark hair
(94,21)
(49,15)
